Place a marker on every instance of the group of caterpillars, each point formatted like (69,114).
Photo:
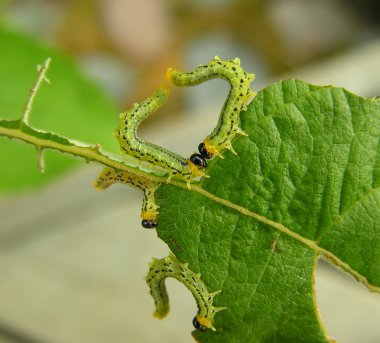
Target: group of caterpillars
(180,168)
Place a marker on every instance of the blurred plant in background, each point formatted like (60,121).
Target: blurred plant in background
(128,44)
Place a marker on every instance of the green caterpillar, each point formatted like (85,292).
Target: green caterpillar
(240,92)
(149,211)
(177,166)
(169,266)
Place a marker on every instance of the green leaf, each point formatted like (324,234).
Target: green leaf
(71,106)
(305,184)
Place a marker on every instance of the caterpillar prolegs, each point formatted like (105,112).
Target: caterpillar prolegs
(170,266)
(149,211)
(237,99)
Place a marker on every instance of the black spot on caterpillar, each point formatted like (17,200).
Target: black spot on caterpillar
(170,266)
(198,160)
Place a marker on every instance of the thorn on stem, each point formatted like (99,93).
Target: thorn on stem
(40,159)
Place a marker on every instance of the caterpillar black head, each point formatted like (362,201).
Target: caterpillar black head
(198,325)
(198,160)
(203,151)
(148,224)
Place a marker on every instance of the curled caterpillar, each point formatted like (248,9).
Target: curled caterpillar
(169,266)
(149,208)
(177,166)
(228,124)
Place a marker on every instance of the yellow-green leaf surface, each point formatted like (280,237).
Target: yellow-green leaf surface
(305,183)
(71,106)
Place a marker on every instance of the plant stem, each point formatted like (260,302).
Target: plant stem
(47,140)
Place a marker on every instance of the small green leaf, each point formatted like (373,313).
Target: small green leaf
(71,106)
(305,183)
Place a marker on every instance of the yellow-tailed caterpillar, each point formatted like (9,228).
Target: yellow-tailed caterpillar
(177,166)
(149,208)
(170,266)
(228,125)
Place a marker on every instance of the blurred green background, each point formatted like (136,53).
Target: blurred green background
(71,259)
